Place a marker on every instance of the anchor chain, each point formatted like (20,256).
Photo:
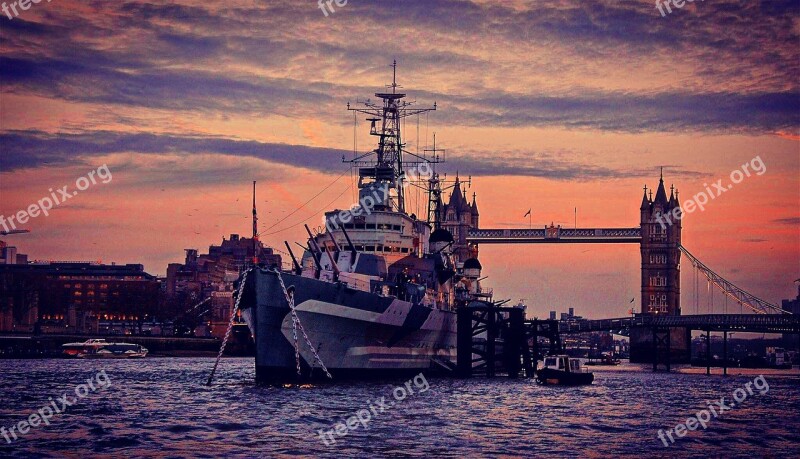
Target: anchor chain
(230,327)
(297,324)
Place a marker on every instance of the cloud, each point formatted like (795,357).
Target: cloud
(720,66)
(30,149)
(794,221)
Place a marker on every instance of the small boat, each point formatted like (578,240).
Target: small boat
(605,359)
(563,370)
(102,349)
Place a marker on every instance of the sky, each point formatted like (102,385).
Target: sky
(549,106)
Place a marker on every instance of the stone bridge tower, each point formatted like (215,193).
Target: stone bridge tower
(661,281)
(661,255)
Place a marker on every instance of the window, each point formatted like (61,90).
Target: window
(369,248)
(657,232)
(658,304)
(658,281)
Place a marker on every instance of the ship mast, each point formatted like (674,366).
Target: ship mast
(384,165)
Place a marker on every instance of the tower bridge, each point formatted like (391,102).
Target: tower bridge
(659,320)
(554,234)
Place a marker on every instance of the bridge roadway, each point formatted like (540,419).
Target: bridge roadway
(755,323)
(556,234)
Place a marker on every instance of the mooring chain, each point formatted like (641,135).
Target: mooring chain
(294,329)
(295,324)
(239,293)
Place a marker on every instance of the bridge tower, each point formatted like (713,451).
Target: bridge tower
(661,254)
(661,280)
(459,216)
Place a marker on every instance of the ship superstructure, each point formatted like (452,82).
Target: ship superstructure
(375,291)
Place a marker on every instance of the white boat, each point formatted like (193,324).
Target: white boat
(102,349)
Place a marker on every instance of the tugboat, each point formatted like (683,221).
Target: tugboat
(375,292)
(102,349)
(562,370)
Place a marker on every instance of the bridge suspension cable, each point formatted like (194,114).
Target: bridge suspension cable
(742,297)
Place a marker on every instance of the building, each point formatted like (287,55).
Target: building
(792,341)
(10,256)
(792,306)
(459,216)
(75,297)
(208,278)
(661,256)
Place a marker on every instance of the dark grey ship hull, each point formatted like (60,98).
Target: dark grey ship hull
(357,334)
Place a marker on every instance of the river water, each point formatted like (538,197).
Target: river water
(160,407)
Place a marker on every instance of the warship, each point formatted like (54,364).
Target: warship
(375,291)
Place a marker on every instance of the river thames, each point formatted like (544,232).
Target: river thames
(160,407)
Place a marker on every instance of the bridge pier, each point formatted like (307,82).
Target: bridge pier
(492,339)
(725,353)
(644,345)
(708,352)
(661,348)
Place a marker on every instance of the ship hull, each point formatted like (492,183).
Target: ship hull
(356,334)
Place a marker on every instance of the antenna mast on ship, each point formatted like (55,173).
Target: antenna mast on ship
(386,167)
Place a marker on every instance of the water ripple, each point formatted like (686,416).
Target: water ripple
(161,408)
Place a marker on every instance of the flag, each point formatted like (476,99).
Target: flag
(527,213)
